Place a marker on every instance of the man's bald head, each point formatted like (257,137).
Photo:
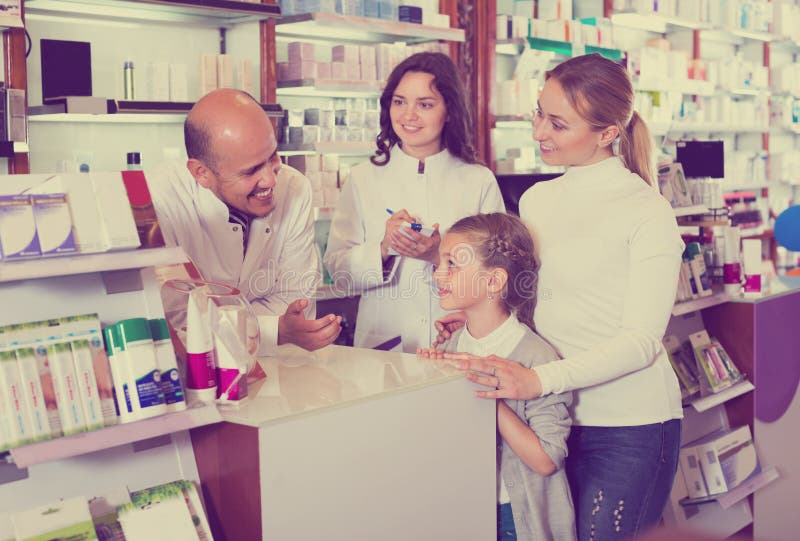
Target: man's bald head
(215,116)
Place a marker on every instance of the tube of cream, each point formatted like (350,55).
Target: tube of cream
(731,268)
(201,380)
(751,257)
(231,362)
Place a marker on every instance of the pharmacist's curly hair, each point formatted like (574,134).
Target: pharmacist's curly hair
(501,240)
(457,131)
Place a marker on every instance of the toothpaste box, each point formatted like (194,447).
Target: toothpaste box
(53,224)
(18,236)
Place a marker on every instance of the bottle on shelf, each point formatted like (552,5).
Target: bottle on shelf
(134,161)
(127,72)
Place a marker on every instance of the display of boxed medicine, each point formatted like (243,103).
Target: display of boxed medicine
(692,474)
(18,236)
(727,459)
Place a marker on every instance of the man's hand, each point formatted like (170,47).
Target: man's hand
(309,334)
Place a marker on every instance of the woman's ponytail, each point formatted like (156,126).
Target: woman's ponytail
(636,148)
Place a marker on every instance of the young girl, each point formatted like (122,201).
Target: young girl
(424,170)
(487,270)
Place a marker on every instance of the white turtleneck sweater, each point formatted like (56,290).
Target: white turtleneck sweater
(610,254)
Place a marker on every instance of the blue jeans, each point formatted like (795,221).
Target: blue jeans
(621,477)
(506,531)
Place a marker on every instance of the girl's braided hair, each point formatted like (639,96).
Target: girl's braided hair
(502,240)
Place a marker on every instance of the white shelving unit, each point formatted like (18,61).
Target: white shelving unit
(331,26)
(50,267)
(334,88)
(115,286)
(114,436)
(694,305)
(708,402)
(727,499)
(194,12)
(120,118)
(357,148)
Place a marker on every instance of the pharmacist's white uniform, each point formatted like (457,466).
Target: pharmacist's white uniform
(281,262)
(401,301)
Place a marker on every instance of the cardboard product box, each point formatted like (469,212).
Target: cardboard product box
(53,224)
(692,473)
(18,236)
(727,459)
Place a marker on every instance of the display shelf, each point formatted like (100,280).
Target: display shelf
(655,22)
(688,86)
(510,46)
(745,91)
(515,122)
(194,12)
(120,118)
(687,127)
(565,48)
(734,186)
(361,29)
(748,486)
(47,267)
(562,48)
(343,148)
(334,88)
(694,210)
(113,436)
(694,305)
(708,402)
(748,34)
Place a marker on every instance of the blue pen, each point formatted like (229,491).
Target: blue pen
(390,211)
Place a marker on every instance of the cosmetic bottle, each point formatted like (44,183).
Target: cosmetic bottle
(127,72)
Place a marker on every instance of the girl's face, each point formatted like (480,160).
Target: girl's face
(564,137)
(461,279)
(418,113)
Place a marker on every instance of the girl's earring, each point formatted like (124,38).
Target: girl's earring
(490,295)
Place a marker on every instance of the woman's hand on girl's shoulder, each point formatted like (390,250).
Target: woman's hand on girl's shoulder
(509,379)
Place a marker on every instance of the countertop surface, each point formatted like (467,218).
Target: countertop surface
(776,287)
(299,382)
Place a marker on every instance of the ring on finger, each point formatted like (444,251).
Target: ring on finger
(494,370)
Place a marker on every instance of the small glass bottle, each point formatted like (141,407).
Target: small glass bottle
(128,79)
(134,161)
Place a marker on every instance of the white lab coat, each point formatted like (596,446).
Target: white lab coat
(281,263)
(403,302)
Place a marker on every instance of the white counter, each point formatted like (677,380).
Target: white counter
(300,383)
(352,444)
